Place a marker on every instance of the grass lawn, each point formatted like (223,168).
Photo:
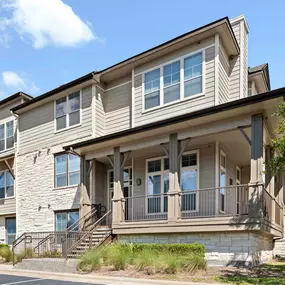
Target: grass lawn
(268,274)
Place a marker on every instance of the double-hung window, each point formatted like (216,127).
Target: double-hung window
(189,181)
(67,111)
(67,170)
(7,135)
(11,230)
(63,220)
(157,185)
(6,185)
(222,180)
(162,85)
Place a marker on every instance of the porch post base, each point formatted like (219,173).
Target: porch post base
(174,206)
(255,199)
(118,210)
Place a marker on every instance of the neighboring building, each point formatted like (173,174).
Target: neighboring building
(173,140)
(8,147)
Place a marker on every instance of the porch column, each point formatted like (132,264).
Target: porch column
(117,200)
(85,203)
(256,166)
(174,194)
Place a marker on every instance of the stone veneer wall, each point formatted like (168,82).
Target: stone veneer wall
(37,198)
(279,245)
(233,248)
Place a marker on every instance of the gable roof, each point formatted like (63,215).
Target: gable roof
(14,96)
(264,70)
(223,21)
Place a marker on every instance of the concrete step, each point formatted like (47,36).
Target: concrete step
(48,265)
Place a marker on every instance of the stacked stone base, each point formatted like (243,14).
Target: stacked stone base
(222,249)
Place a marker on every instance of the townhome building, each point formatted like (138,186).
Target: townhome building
(167,146)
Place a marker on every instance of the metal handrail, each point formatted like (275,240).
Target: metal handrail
(88,233)
(43,241)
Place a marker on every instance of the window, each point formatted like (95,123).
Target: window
(63,220)
(239,194)
(157,184)
(6,185)
(189,180)
(162,85)
(193,75)
(67,170)
(67,111)
(11,230)
(7,135)
(171,82)
(222,180)
(152,89)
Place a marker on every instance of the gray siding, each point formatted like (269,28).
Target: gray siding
(223,76)
(99,113)
(182,107)
(37,126)
(245,65)
(234,83)
(117,103)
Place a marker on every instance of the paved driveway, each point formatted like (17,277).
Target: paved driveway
(10,279)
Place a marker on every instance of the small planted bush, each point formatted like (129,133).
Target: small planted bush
(90,261)
(5,252)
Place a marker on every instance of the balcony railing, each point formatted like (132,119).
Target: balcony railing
(210,202)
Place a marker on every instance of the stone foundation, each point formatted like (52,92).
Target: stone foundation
(222,249)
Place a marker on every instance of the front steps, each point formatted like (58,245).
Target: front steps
(48,265)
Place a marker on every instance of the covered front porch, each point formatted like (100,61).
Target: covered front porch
(206,177)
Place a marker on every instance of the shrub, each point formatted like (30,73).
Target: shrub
(144,259)
(6,253)
(90,261)
(118,255)
(194,262)
(169,262)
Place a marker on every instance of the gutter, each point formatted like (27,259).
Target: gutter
(190,116)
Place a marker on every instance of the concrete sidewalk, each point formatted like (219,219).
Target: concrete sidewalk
(91,278)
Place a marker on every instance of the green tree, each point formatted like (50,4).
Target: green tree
(277,163)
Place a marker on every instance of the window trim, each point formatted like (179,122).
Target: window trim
(4,122)
(67,173)
(161,172)
(182,97)
(197,152)
(10,197)
(67,114)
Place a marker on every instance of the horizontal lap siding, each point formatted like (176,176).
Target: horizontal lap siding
(245,65)
(234,82)
(7,206)
(37,126)
(117,103)
(99,113)
(182,107)
(223,77)
(5,109)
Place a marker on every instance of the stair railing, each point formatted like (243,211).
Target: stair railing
(87,235)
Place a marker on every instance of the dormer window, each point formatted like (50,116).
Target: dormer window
(7,135)
(67,111)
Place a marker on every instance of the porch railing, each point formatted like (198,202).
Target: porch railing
(210,202)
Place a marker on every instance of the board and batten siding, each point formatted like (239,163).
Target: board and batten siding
(117,102)
(184,106)
(37,127)
(234,83)
(224,70)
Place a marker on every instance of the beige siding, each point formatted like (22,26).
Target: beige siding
(186,106)
(234,83)
(99,113)
(223,76)
(37,128)
(117,103)
(7,206)
(245,65)
(5,109)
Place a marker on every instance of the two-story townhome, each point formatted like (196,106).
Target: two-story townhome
(8,146)
(167,146)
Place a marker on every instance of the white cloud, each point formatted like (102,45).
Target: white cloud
(14,82)
(46,22)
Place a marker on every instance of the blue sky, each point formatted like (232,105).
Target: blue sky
(44,44)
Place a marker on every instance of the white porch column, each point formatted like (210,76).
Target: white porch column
(174,194)
(256,166)
(117,201)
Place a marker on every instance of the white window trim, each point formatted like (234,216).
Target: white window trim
(225,170)
(5,185)
(197,152)
(67,113)
(161,172)
(109,199)
(182,97)
(4,122)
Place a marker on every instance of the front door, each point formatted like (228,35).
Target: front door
(127,190)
